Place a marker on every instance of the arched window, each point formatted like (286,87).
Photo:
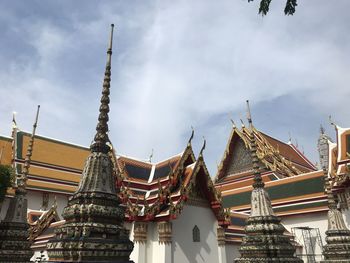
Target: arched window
(196,234)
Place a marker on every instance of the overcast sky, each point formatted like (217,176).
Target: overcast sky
(175,64)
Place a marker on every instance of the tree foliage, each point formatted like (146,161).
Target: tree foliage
(6,178)
(288,10)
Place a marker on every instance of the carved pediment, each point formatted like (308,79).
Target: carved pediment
(240,159)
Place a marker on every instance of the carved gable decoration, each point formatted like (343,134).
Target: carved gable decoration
(240,159)
(196,192)
(196,195)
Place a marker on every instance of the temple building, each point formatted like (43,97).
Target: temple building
(294,185)
(267,202)
(85,203)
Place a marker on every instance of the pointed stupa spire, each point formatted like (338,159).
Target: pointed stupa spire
(258,183)
(264,240)
(94,219)
(101,138)
(14,230)
(22,181)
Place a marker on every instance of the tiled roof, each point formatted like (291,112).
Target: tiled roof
(281,158)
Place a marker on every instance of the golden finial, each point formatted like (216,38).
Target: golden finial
(233,123)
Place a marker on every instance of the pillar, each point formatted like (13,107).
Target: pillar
(165,242)
(221,244)
(140,239)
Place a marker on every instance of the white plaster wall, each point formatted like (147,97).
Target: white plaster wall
(232,252)
(315,220)
(184,250)
(35,200)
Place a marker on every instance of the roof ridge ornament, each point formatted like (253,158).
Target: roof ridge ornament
(331,122)
(243,125)
(249,115)
(101,138)
(191,137)
(203,147)
(233,124)
(14,123)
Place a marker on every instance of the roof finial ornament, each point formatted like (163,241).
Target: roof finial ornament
(242,123)
(249,115)
(331,122)
(14,123)
(22,181)
(151,156)
(290,138)
(233,124)
(191,137)
(203,147)
(101,137)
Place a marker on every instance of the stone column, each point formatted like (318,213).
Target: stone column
(140,239)
(221,244)
(165,242)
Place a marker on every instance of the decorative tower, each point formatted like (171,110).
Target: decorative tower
(14,229)
(264,240)
(94,231)
(323,148)
(337,248)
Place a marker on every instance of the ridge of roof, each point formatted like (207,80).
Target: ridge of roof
(147,162)
(294,148)
(5,137)
(302,155)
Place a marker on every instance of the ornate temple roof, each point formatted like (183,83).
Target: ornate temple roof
(282,159)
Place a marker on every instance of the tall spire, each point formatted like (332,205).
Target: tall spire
(265,240)
(258,182)
(22,181)
(101,138)
(14,230)
(93,217)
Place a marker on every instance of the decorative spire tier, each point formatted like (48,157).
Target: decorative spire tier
(14,229)
(94,231)
(265,240)
(337,248)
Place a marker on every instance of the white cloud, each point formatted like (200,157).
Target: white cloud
(176,65)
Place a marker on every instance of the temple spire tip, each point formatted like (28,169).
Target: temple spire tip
(249,115)
(100,143)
